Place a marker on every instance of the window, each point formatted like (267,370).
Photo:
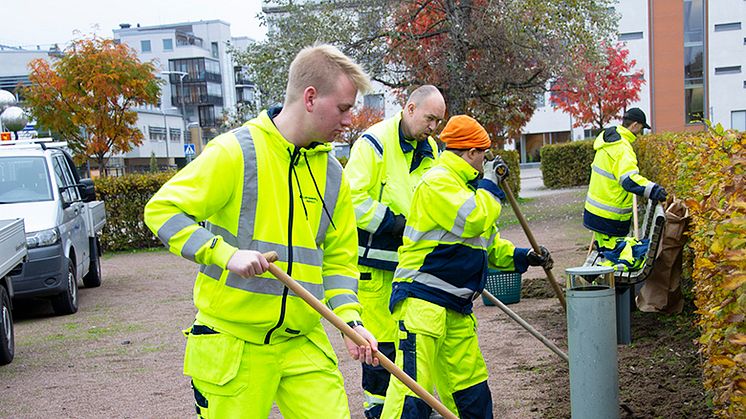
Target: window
(630,36)
(174,134)
(735,69)
(215,50)
(207,116)
(694,75)
(24,179)
(156,133)
(145,46)
(375,102)
(738,120)
(168,44)
(732,26)
(62,174)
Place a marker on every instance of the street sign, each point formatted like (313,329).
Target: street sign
(189,149)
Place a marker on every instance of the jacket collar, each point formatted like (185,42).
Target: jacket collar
(459,166)
(421,150)
(264,121)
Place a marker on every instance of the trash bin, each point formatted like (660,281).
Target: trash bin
(505,286)
(591,342)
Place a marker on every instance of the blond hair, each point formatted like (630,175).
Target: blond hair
(319,66)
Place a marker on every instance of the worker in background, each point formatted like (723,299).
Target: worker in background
(450,240)
(608,205)
(385,165)
(270,185)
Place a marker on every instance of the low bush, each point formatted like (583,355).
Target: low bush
(567,164)
(125,199)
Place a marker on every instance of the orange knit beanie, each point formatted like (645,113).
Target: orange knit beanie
(464,132)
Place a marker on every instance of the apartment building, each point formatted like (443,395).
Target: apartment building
(693,55)
(202,82)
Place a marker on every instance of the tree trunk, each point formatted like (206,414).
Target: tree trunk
(459,19)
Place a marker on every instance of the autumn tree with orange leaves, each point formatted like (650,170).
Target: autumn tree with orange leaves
(362,119)
(602,91)
(88,94)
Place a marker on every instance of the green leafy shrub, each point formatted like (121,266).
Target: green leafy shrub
(567,164)
(708,171)
(125,199)
(513,160)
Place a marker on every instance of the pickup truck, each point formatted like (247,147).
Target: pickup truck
(39,183)
(12,254)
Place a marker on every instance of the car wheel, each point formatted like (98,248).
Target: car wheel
(7,341)
(93,278)
(67,301)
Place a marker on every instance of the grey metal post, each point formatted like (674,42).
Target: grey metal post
(591,339)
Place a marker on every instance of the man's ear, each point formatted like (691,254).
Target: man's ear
(309,98)
(411,107)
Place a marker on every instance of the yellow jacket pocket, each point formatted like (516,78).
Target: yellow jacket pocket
(214,359)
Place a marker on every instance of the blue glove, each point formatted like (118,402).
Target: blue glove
(658,193)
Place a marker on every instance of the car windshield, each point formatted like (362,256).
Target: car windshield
(24,179)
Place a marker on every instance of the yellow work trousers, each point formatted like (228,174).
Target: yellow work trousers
(439,349)
(233,378)
(374,293)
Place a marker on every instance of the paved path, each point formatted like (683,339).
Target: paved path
(532,184)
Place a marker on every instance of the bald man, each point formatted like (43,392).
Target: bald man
(386,163)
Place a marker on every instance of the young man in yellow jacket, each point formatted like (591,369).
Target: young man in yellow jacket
(385,165)
(271,185)
(608,205)
(450,239)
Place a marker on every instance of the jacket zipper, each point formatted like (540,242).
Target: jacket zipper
(291,205)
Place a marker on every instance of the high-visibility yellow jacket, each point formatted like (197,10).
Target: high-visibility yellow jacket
(614,178)
(451,237)
(257,191)
(383,170)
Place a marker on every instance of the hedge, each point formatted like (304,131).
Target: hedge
(708,171)
(567,164)
(513,160)
(125,198)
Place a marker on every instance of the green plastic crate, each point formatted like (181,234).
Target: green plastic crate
(506,286)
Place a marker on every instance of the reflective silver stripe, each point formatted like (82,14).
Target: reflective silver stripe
(269,286)
(361,209)
(463,212)
(174,225)
(388,255)
(198,239)
(227,236)
(433,281)
(340,282)
(304,255)
(648,189)
(213,271)
(626,175)
(603,172)
(250,187)
(378,215)
(444,236)
(372,140)
(607,207)
(341,299)
(331,195)
(372,400)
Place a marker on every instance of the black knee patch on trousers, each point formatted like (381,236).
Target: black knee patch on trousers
(474,402)
(376,379)
(415,408)
(200,401)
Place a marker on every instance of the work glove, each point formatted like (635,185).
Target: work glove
(658,193)
(544,259)
(496,170)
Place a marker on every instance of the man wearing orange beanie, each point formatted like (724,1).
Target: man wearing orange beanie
(450,239)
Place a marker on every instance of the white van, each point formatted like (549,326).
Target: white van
(12,255)
(39,183)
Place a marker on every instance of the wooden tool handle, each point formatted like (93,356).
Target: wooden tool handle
(359,340)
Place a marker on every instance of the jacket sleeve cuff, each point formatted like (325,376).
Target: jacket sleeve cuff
(520,259)
(492,188)
(221,253)
(348,314)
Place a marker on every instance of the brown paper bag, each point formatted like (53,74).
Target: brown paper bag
(662,290)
